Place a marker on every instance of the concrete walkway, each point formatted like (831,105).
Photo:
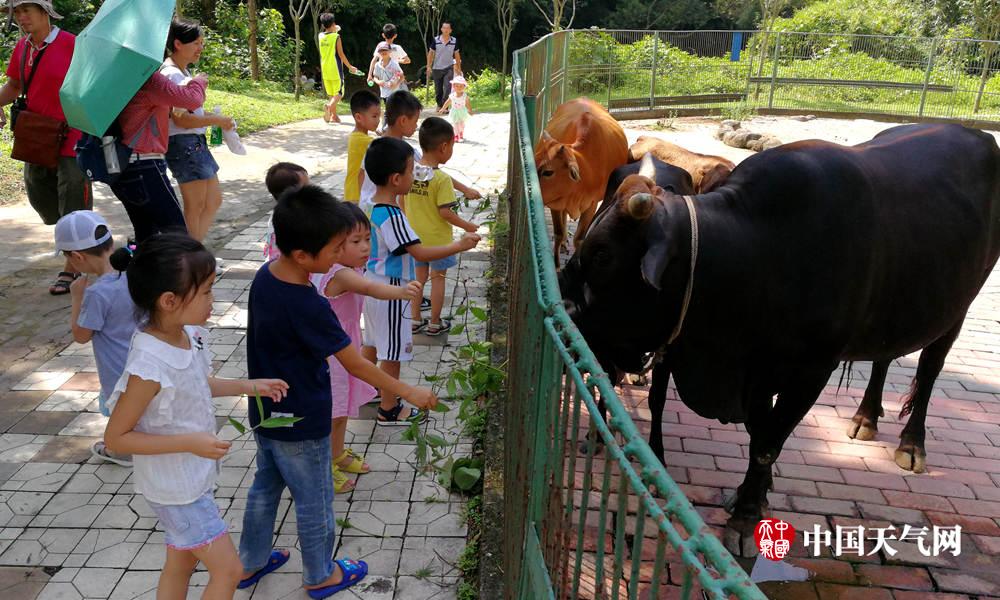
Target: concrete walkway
(72,527)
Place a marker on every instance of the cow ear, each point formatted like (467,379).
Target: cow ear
(654,262)
(582,129)
(571,164)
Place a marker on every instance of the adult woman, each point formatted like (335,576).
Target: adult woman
(188,155)
(143,187)
(42,59)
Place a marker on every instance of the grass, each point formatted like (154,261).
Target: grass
(11,171)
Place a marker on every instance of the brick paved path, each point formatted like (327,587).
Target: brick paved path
(71,527)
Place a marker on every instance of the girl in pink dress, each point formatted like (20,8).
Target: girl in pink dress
(346,287)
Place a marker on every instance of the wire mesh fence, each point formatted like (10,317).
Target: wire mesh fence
(720,71)
(590,512)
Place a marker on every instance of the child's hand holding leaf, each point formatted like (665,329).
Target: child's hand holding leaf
(275,389)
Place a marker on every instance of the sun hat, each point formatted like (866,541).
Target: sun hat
(386,46)
(45,5)
(458,80)
(78,231)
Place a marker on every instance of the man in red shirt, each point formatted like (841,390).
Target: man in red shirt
(51,192)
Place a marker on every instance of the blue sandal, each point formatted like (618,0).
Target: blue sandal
(353,571)
(274,563)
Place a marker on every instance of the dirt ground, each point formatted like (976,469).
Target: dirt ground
(697,133)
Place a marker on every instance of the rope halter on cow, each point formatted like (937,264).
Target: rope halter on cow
(658,355)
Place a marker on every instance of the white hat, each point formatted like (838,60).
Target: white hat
(45,5)
(458,80)
(78,231)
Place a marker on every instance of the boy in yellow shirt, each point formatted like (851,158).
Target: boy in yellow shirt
(331,49)
(367,111)
(430,209)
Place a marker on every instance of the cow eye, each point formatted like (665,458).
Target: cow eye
(547,173)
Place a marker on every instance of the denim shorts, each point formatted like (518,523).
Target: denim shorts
(191,526)
(442,264)
(189,158)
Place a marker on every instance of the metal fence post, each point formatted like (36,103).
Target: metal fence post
(927,77)
(546,82)
(565,66)
(774,71)
(652,77)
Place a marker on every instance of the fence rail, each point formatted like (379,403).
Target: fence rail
(636,72)
(607,522)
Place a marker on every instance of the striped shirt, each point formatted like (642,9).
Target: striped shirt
(391,236)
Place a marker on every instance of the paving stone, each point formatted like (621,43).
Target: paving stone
(381,554)
(87,425)
(430,588)
(49,423)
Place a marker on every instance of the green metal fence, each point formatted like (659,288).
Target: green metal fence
(608,522)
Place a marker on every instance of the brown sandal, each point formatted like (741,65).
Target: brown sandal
(61,285)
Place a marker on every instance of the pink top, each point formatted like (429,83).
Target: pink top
(349,392)
(148,112)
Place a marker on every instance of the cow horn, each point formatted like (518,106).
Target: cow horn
(640,206)
(646,167)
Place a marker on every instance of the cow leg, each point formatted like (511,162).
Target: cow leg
(558,232)
(657,399)
(910,454)
(864,424)
(769,428)
(582,225)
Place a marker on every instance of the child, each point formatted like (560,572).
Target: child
(461,107)
(394,247)
(162,411)
(291,332)
(330,49)
(346,288)
(387,74)
(102,311)
(367,111)
(399,55)
(280,177)
(430,210)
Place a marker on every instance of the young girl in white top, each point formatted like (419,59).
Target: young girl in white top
(162,412)
(461,107)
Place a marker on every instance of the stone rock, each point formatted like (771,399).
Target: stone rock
(804,118)
(739,138)
(731,124)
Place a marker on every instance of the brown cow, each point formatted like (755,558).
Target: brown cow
(580,147)
(707,172)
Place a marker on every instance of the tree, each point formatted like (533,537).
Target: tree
(558,9)
(254,53)
(986,24)
(659,14)
(298,9)
(428,13)
(506,21)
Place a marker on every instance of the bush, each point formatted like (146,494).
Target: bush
(486,83)
(227,52)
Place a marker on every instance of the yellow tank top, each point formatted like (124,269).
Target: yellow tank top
(328,55)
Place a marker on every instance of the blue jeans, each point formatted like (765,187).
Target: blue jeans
(149,199)
(303,467)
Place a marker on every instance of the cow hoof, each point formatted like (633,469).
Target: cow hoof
(911,458)
(634,379)
(857,430)
(740,544)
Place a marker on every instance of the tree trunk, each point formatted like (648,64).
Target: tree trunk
(208,12)
(314,10)
(298,58)
(984,76)
(254,54)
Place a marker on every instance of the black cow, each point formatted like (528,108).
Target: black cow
(812,253)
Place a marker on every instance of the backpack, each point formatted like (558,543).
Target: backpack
(92,161)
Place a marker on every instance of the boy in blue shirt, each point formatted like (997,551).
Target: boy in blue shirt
(394,246)
(291,331)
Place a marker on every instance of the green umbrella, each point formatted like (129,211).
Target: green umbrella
(115,54)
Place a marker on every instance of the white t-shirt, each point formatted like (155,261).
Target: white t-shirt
(172,72)
(398,53)
(368,186)
(183,405)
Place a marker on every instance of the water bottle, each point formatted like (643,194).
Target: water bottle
(110,155)
(216,137)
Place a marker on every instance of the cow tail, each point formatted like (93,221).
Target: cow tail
(846,370)
(908,403)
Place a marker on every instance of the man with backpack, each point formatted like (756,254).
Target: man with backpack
(35,73)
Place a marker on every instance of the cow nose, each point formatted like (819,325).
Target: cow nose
(571,309)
